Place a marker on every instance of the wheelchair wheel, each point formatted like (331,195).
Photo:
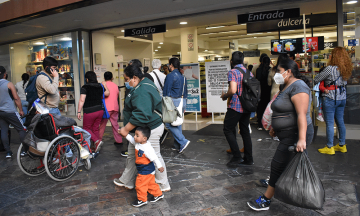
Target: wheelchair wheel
(30,164)
(87,163)
(62,158)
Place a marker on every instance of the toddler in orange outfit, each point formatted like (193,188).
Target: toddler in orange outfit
(145,158)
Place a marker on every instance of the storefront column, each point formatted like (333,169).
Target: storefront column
(357,31)
(236,44)
(189,45)
(340,27)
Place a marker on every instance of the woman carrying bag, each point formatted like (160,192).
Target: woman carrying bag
(91,99)
(176,87)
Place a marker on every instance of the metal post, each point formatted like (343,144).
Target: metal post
(212,114)
(340,24)
(196,117)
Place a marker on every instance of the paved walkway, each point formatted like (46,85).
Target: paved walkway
(201,183)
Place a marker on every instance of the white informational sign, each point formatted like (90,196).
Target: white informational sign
(216,84)
(100,70)
(192,75)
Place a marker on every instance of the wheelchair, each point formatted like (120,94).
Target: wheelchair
(57,150)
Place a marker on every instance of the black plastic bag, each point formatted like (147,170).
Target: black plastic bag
(299,185)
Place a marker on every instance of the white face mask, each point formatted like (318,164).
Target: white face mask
(279,79)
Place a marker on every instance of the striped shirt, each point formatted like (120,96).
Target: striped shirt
(330,74)
(236,76)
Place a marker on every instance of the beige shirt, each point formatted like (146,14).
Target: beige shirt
(43,86)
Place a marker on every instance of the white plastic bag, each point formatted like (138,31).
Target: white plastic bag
(179,120)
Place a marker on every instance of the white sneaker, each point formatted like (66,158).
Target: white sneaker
(320,118)
(250,129)
(276,138)
(119,183)
(166,189)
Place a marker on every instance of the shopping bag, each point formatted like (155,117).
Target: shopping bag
(299,185)
(266,119)
(106,114)
(180,117)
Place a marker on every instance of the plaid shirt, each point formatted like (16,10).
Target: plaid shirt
(236,76)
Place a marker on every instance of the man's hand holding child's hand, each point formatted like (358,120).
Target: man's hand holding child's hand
(161,169)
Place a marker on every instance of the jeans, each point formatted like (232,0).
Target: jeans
(115,126)
(55,111)
(333,110)
(129,175)
(176,131)
(232,118)
(282,155)
(92,124)
(24,105)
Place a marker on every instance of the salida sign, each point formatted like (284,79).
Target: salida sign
(145,30)
(268,15)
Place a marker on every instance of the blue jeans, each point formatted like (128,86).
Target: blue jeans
(55,111)
(24,105)
(176,131)
(333,110)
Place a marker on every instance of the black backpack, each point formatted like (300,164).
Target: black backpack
(251,91)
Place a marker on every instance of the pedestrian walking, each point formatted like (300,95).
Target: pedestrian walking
(20,89)
(235,114)
(335,78)
(112,106)
(291,122)
(91,102)
(8,112)
(142,108)
(176,87)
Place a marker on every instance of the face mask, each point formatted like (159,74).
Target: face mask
(279,79)
(128,85)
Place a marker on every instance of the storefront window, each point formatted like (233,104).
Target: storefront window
(28,56)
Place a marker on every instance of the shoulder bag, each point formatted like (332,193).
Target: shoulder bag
(106,113)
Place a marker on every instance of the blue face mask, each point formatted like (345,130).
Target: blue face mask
(128,85)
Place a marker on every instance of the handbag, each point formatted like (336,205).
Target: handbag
(266,119)
(180,117)
(106,113)
(169,112)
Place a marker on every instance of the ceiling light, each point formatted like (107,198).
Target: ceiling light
(122,30)
(269,32)
(159,46)
(214,27)
(326,37)
(66,39)
(156,50)
(161,43)
(291,30)
(350,12)
(348,36)
(178,52)
(206,50)
(255,37)
(351,2)
(183,23)
(11,47)
(39,43)
(167,30)
(243,24)
(19,33)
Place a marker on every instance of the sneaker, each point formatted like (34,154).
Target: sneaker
(23,153)
(8,155)
(259,128)
(340,148)
(183,148)
(234,161)
(264,182)
(276,138)
(327,150)
(124,153)
(165,189)
(98,145)
(320,118)
(138,203)
(174,149)
(250,129)
(119,183)
(10,126)
(163,136)
(68,153)
(155,199)
(260,204)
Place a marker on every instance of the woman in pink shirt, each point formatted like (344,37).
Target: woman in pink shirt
(112,106)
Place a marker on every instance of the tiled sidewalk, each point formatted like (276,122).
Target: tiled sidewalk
(201,183)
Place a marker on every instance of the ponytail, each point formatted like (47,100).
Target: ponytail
(25,77)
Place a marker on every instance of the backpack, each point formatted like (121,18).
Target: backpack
(31,91)
(251,91)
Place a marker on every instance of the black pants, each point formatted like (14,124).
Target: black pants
(15,120)
(282,155)
(231,119)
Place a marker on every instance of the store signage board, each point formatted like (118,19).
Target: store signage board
(231,45)
(145,30)
(252,53)
(330,45)
(353,42)
(192,75)
(216,84)
(293,23)
(268,15)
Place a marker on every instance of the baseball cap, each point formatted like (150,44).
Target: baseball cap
(2,70)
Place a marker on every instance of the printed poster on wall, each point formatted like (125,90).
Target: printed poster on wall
(100,70)
(192,75)
(216,84)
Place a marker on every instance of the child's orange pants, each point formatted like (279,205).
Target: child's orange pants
(144,184)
